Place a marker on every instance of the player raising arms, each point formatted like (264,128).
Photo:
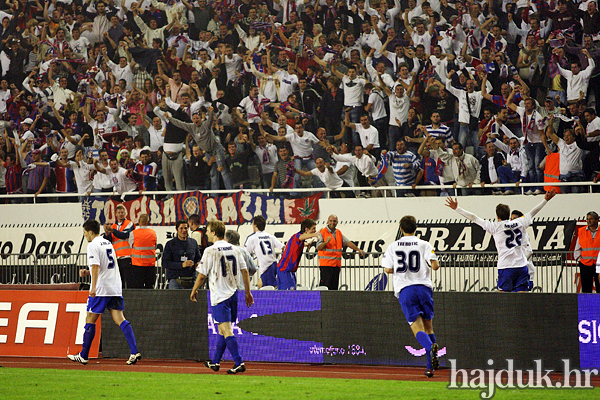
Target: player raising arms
(410,260)
(105,292)
(223,263)
(513,275)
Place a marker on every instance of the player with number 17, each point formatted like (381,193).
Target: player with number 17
(223,263)
(513,274)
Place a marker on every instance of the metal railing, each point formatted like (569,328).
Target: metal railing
(383,191)
(555,272)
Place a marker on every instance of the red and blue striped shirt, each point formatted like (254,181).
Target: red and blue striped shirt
(290,259)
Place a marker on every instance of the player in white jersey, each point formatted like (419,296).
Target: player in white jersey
(528,250)
(410,260)
(222,263)
(513,275)
(105,292)
(263,246)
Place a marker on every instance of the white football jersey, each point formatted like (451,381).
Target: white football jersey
(528,254)
(222,264)
(410,258)
(101,252)
(511,240)
(263,246)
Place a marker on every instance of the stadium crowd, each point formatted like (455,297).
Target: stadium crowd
(104,96)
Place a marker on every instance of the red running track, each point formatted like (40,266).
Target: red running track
(253,368)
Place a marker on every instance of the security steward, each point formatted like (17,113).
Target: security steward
(143,255)
(586,251)
(330,244)
(118,234)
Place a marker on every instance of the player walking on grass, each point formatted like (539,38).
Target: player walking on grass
(411,259)
(105,292)
(222,263)
(513,274)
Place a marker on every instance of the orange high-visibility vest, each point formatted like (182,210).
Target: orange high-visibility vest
(144,247)
(552,171)
(331,255)
(589,246)
(121,246)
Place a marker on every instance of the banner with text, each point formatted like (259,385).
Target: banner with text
(52,327)
(235,209)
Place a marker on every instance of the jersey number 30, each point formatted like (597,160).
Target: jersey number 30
(411,263)
(513,238)
(224,265)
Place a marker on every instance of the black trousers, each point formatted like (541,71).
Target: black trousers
(125,270)
(330,277)
(588,277)
(142,277)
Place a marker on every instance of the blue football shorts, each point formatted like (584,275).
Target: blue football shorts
(416,300)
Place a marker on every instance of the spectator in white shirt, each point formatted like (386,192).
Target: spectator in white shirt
(328,176)
(301,142)
(365,134)
(577,80)
(469,107)
(420,35)
(570,161)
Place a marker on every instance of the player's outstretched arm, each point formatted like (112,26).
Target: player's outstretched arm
(453,204)
(435,265)
(529,216)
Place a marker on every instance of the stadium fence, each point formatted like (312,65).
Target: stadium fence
(555,272)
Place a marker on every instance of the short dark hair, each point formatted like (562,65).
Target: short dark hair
(590,110)
(260,222)
(179,223)
(217,227)
(503,212)
(195,218)
(146,153)
(307,224)
(408,224)
(517,213)
(91,225)
(460,146)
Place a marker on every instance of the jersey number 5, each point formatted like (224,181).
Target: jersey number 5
(411,263)
(224,265)
(111,260)
(513,238)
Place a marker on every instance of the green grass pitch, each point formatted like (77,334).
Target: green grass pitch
(26,383)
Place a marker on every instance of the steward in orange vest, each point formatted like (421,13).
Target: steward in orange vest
(586,249)
(330,246)
(552,171)
(118,234)
(143,255)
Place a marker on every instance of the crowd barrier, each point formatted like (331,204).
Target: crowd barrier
(369,328)
(556,271)
(383,191)
(478,330)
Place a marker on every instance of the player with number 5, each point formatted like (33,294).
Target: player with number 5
(513,275)
(105,292)
(223,263)
(410,260)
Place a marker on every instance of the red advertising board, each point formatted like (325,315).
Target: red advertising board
(43,323)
